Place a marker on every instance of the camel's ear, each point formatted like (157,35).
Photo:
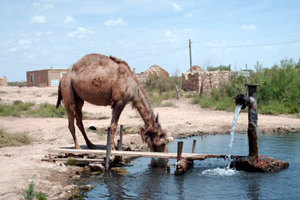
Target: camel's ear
(156,119)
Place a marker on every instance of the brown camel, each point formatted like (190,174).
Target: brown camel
(103,81)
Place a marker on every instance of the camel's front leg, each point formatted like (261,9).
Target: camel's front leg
(117,110)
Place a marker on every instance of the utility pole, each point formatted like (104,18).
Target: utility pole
(190,48)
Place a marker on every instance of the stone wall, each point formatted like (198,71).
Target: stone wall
(3,81)
(191,81)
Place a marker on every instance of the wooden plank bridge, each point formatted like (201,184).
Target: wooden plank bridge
(189,156)
(184,160)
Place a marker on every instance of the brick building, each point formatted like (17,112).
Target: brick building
(45,77)
(3,81)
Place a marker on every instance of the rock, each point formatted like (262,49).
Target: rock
(260,164)
(182,166)
(97,167)
(86,188)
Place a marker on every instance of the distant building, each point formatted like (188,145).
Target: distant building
(193,79)
(3,81)
(45,77)
(152,71)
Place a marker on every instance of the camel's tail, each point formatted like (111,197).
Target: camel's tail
(59,98)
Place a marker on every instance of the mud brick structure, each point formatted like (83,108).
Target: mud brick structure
(192,80)
(152,71)
(45,78)
(3,81)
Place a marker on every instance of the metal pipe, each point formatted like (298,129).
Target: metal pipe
(252,120)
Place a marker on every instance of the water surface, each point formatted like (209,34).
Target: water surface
(208,179)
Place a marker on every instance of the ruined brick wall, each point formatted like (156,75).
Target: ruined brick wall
(191,81)
(3,81)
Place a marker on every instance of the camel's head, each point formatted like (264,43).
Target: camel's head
(155,137)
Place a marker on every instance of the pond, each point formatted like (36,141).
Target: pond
(208,179)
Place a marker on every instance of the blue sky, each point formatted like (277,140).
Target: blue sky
(42,34)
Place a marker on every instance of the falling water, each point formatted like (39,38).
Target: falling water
(226,171)
(236,115)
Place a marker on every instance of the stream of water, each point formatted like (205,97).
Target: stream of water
(207,179)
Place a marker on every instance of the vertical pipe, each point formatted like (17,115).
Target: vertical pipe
(194,146)
(252,121)
(190,48)
(179,150)
(108,149)
(121,138)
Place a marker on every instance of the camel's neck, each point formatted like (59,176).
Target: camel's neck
(142,105)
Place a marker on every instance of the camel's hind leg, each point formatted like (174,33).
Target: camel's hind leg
(78,112)
(72,127)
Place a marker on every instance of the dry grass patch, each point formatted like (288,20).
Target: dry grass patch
(13,139)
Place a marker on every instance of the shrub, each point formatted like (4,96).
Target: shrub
(13,139)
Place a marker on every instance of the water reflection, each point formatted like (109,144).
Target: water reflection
(253,192)
(152,182)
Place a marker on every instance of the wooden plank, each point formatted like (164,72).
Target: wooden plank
(191,156)
(108,149)
(77,159)
(179,150)
(194,146)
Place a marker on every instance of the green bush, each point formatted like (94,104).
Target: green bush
(278,92)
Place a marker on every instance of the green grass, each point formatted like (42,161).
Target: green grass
(168,104)
(14,139)
(30,193)
(47,110)
(206,101)
(274,108)
(19,108)
(72,162)
(54,94)
(156,100)
(3,92)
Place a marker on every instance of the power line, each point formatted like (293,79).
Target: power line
(254,45)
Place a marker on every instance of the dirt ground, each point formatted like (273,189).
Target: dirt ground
(20,164)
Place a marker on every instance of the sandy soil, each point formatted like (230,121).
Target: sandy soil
(19,164)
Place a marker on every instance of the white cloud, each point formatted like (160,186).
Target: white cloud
(188,15)
(248,27)
(68,20)
(176,7)
(116,22)
(42,7)
(170,36)
(39,19)
(80,32)
(20,44)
